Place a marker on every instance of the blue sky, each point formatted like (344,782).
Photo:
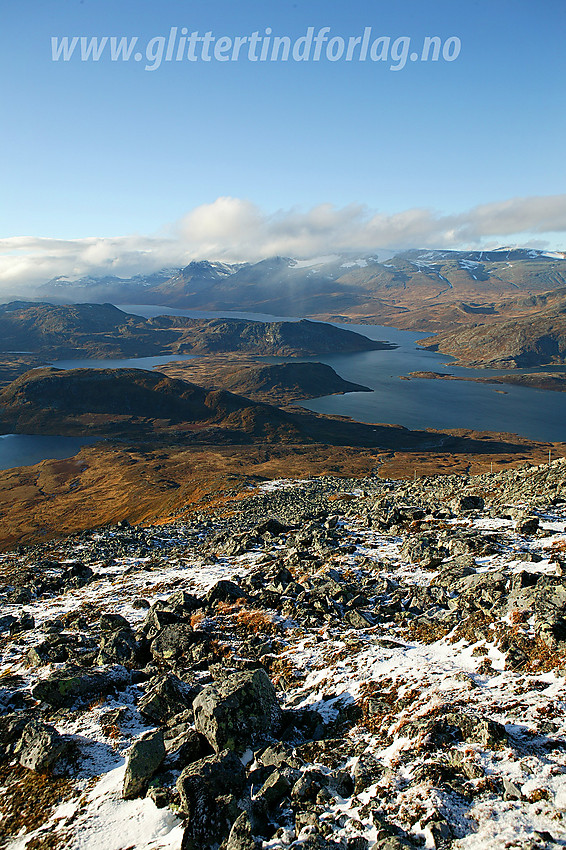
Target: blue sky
(108,149)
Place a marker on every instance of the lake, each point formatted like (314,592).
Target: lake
(27,449)
(418,403)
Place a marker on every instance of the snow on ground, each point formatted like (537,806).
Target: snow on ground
(335,666)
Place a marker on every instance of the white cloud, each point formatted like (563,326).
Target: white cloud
(236,229)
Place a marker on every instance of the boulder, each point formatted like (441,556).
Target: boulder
(70,684)
(11,728)
(113,623)
(241,835)
(144,759)
(277,786)
(208,791)
(166,697)
(457,726)
(422,550)
(40,746)
(527,525)
(76,575)
(467,502)
(118,647)
(233,713)
(174,641)
(185,744)
(225,591)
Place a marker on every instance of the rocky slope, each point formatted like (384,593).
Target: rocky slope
(138,405)
(74,330)
(339,665)
(103,331)
(134,403)
(279,339)
(554,381)
(536,340)
(275,384)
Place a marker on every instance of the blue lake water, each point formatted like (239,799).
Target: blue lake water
(147,363)
(419,403)
(26,449)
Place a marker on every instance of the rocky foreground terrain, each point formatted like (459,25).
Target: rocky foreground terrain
(326,663)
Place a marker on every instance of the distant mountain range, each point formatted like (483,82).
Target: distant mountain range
(501,308)
(420,289)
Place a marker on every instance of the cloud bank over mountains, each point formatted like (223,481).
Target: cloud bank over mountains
(234,229)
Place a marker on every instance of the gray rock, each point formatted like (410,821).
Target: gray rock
(76,575)
(458,726)
(7,623)
(241,835)
(40,746)
(441,833)
(208,791)
(233,713)
(392,842)
(366,771)
(113,623)
(341,783)
(225,591)
(358,619)
(144,759)
(276,786)
(422,550)
(58,648)
(183,603)
(511,792)
(165,698)
(184,743)
(118,647)
(69,684)
(11,729)
(467,502)
(308,786)
(174,640)
(278,755)
(527,525)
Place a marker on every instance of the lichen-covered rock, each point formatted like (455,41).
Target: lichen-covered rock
(165,698)
(118,647)
(235,712)
(144,759)
(209,790)
(70,683)
(174,641)
(40,746)
(241,835)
